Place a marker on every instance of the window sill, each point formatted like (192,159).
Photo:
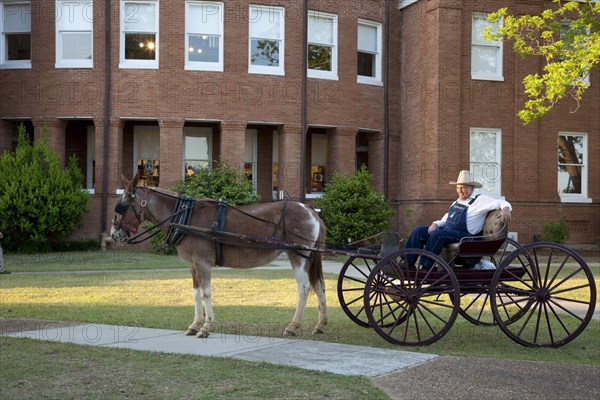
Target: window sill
(365,80)
(322,75)
(127,65)
(10,65)
(487,78)
(581,199)
(314,195)
(266,71)
(204,67)
(74,65)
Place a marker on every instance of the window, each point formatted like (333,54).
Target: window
(139,34)
(74,38)
(485,159)
(266,45)
(486,55)
(197,149)
(318,162)
(204,36)
(322,45)
(574,37)
(572,167)
(15,34)
(369,52)
(251,155)
(146,153)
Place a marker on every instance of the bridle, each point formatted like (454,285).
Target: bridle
(125,224)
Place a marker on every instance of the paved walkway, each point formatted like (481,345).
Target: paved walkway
(308,354)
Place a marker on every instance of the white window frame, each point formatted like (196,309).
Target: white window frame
(71,10)
(192,29)
(125,13)
(487,172)
(333,74)
(371,80)
(13,64)
(197,131)
(583,196)
(494,44)
(267,12)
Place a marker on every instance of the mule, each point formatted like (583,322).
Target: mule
(235,237)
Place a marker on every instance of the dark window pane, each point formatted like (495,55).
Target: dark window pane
(18,46)
(366,64)
(140,46)
(319,57)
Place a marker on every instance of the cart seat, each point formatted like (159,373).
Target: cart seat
(492,236)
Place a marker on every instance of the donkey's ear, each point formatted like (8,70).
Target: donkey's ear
(124,181)
(134,181)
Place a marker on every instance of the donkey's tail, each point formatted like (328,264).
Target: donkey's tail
(315,271)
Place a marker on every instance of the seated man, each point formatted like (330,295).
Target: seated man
(464,218)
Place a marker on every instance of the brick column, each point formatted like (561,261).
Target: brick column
(233,141)
(341,151)
(290,156)
(7,129)
(55,132)
(171,151)
(115,155)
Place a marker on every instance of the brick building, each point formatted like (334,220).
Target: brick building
(408,88)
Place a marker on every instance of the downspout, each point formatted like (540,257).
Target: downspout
(107,51)
(386,112)
(303,164)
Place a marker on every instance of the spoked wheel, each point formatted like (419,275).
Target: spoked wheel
(403,305)
(351,287)
(543,295)
(475,305)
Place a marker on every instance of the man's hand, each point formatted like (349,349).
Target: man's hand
(432,228)
(505,215)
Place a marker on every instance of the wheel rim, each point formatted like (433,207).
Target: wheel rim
(403,306)
(350,288)
(543,295)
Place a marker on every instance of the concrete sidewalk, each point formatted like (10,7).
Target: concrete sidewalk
(308,354)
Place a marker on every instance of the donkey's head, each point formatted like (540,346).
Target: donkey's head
(129,211)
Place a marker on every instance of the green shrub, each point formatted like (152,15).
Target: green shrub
(159,246)
(221,182)
(556,232)
(40,202)
(352,210)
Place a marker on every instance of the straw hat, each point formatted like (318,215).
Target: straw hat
(466,178)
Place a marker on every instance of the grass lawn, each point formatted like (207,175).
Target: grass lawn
(163,299)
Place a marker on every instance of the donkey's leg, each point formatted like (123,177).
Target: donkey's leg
(194,328)
(301,276)
(206,296)
(323,317)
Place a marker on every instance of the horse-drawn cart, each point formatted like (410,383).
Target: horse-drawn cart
(541,294)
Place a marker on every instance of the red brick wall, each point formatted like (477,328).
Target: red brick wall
(432,104)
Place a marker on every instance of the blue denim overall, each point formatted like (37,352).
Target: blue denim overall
(454,230)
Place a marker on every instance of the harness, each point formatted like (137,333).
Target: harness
(218,227)
(182,212)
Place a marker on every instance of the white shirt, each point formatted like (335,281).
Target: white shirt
(477,211)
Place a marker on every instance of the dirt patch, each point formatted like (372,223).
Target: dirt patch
(478,378)
(13,325)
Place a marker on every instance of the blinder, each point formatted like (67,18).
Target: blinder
(121,208)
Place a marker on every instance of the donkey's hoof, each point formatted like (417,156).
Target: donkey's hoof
(191,332)
(318,331)
(288,332)
(202,334)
